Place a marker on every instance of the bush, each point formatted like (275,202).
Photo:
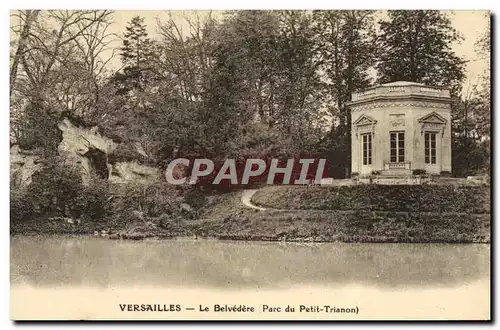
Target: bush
(376,172)
(56,191)
(419,172)
(160,198)
(125,153)
(131,201)
(354,174)
(446,174)
(95,201)
(125,200)
(21,208)
(195,198)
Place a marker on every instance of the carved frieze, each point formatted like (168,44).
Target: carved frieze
(402,104)
(397,120)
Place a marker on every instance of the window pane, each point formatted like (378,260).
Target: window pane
(367,149)
(401,158)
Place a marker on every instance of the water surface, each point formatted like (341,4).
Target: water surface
(88,261)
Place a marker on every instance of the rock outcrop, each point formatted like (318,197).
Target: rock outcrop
(88,150)
(85,148)
(23,164)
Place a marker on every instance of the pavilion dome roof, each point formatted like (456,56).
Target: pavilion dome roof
(403,83)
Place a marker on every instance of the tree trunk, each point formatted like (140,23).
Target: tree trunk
(23,38)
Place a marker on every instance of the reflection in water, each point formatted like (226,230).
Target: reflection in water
(88,261)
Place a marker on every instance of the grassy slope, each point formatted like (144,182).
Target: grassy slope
(226,217)
(419,198)
(385,220)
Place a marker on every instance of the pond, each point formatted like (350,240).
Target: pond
(437,279)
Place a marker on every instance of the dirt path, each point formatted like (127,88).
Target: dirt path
(246,199)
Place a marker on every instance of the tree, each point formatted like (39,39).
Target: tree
(54,71)
(27,19)
(345,40)
(272,61)
(483,52)
(300,98)
(136,55)
(472,118)
(470,147)
(416,45)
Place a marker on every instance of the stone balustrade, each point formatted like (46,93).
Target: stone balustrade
(390,91)
(396,166)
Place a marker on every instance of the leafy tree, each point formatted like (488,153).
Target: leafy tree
(483,52)
(345,40)
(416,45)
(269,56)
(472,119)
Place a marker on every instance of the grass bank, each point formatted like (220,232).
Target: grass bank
(410,214)
(405,198)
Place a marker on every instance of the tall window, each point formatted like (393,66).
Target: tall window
(367,149)
(397,147)
(430,148)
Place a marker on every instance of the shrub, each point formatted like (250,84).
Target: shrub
(354,174)
(126,198)
(195,198)
(95,200)
(160,198)
(151,201)
(446,174)
(125,153)
(419,172)
(21,208)
(376,172)
(56,191)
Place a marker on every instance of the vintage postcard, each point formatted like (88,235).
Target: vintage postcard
(250,165)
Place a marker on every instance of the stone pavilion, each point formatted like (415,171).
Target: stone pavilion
(400,127)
